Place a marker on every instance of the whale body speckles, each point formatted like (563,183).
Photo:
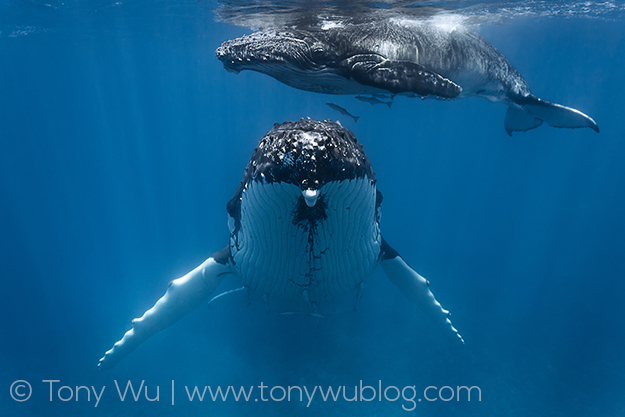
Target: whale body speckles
(393,57)
(304,230)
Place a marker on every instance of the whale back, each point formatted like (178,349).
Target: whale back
(453,51)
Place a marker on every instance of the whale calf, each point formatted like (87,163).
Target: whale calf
(397,57)
(304,230)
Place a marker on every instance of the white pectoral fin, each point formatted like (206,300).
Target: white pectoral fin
(182,296)
(415,287)
(399,77)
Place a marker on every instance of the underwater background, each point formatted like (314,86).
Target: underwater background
(122,138)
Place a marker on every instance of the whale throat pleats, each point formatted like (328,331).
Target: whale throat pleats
(300,257)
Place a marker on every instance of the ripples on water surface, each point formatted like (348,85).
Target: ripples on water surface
(263,14)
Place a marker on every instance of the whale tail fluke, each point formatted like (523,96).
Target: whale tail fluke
(531,112)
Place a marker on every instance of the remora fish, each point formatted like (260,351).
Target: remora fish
(373,101)
(343,111)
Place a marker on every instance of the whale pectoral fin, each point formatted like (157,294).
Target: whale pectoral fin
(404,77)
(555,115)
(415,287)
(182,296)
(518,120)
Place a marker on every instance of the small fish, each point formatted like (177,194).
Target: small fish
(342,111)
(372,100)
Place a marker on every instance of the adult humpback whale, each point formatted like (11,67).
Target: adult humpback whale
(409,58)
(304,229)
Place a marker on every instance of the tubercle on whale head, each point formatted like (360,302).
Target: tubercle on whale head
(308,154)
(264,48)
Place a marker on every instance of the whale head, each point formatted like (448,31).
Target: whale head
(263,51)
(307,154)
(297,58)
(304,223)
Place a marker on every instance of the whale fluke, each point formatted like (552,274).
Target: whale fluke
(534,111)
(519,120)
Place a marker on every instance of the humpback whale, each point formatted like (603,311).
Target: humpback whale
(304,230)
(397,57)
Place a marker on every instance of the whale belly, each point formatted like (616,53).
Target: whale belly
(319,80)
(299,257)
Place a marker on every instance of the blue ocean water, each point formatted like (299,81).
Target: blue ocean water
(122,138)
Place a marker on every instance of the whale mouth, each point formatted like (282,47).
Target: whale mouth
(228,59)
(231,69)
